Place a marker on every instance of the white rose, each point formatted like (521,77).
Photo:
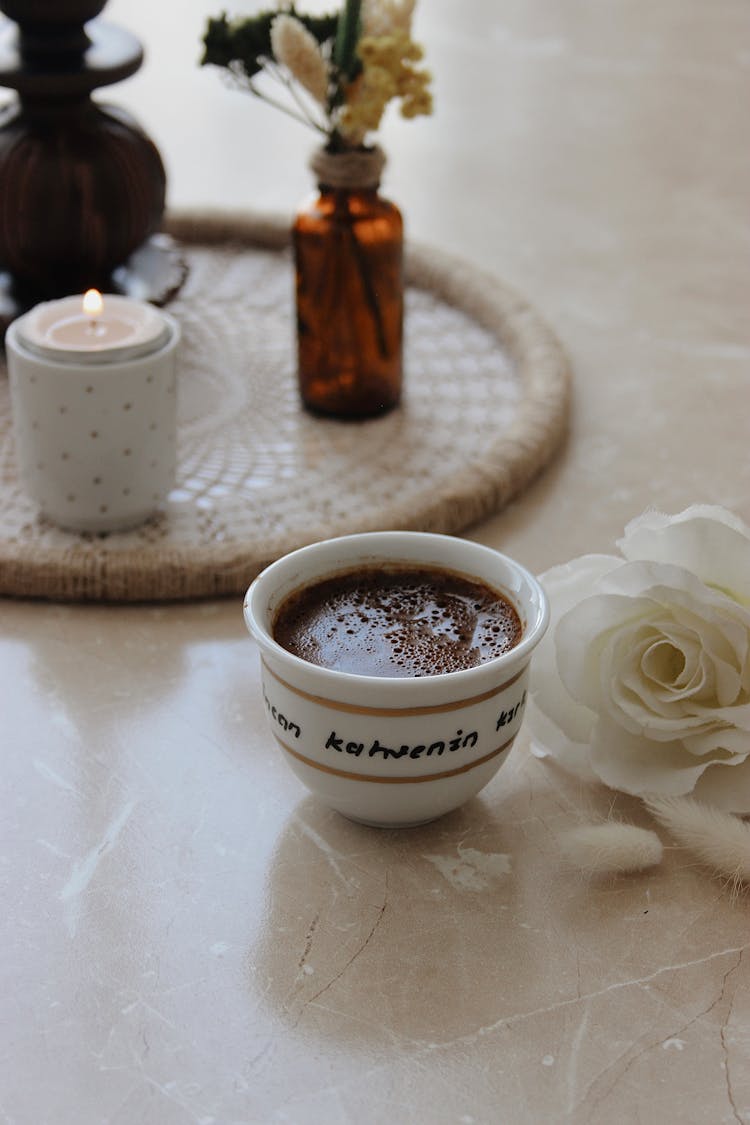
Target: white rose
(643,680)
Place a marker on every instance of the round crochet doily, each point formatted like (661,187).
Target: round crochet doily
(485,404)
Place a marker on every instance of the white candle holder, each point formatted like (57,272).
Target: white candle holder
(95,429)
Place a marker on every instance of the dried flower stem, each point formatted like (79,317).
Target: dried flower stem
(241,81)
(272,67)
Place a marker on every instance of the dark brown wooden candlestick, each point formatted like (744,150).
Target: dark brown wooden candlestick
(82,188)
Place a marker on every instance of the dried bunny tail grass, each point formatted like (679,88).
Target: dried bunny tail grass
(296,49)
(719,839)
(612,848)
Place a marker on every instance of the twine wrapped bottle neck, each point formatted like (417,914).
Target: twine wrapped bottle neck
(355,170)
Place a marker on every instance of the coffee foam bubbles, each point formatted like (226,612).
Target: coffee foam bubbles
(397,622)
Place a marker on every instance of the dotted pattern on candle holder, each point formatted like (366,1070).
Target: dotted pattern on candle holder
(257,473)
(108,463)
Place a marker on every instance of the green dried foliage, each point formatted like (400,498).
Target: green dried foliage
(247,42)
(240,41)
(323,28)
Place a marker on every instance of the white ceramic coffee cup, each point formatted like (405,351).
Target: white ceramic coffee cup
(393,751)
(96,443)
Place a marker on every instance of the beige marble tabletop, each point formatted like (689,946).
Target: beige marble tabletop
(187,936)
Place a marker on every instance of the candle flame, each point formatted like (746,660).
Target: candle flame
(92,303)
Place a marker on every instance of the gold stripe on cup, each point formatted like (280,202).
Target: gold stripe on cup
(390,779)
(356,709)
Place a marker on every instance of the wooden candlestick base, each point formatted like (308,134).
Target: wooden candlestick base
(82,187)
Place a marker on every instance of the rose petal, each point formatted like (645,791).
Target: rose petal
(737,716)
(646,703)
(638,766)
(663,664)
(707,540)
(674,586)
(639,676)
(582,634)
(549,741)
(726,787)
(696,676)
(567,722)
(727,636)
(720,742)
(566,584)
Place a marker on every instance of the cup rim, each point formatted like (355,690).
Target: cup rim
(259,592)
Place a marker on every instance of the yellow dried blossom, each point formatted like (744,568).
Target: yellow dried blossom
(367,98)
(295,48)
(388,72)
(389,51)
(417,102)
(386,17)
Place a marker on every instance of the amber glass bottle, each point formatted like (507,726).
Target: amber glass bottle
(348,245)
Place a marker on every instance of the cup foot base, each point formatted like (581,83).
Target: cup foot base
(393,825)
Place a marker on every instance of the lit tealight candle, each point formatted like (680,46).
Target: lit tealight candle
(93,388)
(93,329)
